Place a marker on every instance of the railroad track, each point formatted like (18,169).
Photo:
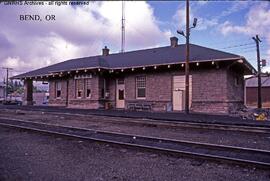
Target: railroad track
(171,124)
(185,124)
(239,155)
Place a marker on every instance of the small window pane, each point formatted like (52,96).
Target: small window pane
(121,94)
(88,93)
(141,92)
(79,93)
(88,87)
(58,94)
(58,89)
(58,85)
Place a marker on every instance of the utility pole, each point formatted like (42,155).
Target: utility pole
(187,59)
(257,40)
(7,69)
(187,55)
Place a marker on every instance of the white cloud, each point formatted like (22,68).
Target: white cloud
(205,22)
(257,22)
(202,23)
(180,17)
(78,31)
(14,61)
(236,7)
(227,27)
(202,2)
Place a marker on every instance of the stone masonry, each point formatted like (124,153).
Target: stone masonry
(28,92)
(213,90)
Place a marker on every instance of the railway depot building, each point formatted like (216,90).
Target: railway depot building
(149,79)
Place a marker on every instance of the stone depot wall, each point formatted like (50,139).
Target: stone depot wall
(213,91)
(158,89)
(216,91)
(68,88)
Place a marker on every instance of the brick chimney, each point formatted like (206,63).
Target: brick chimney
(105,51)
(174,41)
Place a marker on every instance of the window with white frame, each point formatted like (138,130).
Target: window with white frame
(79,88)
(58,89)
(88,88)
(140,87)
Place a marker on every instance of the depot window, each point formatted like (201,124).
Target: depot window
(88,88)
(58,89)
(140,87)
(79,88)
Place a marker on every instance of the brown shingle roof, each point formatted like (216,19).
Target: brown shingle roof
(146,57)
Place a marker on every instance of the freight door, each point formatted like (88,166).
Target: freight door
(179,92)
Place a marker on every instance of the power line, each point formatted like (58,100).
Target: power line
(239,45)
(230,41)
(246,41)
(243,48)
(247,51)
(265,48)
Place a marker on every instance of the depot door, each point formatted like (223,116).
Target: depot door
(179,92)
(120,93)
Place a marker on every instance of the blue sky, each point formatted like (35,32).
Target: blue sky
(218,12)
(81,31)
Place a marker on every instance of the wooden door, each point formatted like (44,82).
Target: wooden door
(179,92)
(120,93)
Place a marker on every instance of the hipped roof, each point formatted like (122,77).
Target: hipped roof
(139,58)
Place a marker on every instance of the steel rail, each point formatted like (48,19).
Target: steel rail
(239,155)
(177,124)
(214,126)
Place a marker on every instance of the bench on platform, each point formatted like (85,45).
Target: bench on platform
(144,106)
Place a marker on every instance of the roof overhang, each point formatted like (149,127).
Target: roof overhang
(249,69)
(52,74)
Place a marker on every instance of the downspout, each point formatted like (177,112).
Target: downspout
(245,93)
(67,93)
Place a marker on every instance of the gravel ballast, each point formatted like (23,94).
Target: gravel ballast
(27,155)
(123,125)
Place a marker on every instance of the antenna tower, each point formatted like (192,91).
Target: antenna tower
(123,28)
